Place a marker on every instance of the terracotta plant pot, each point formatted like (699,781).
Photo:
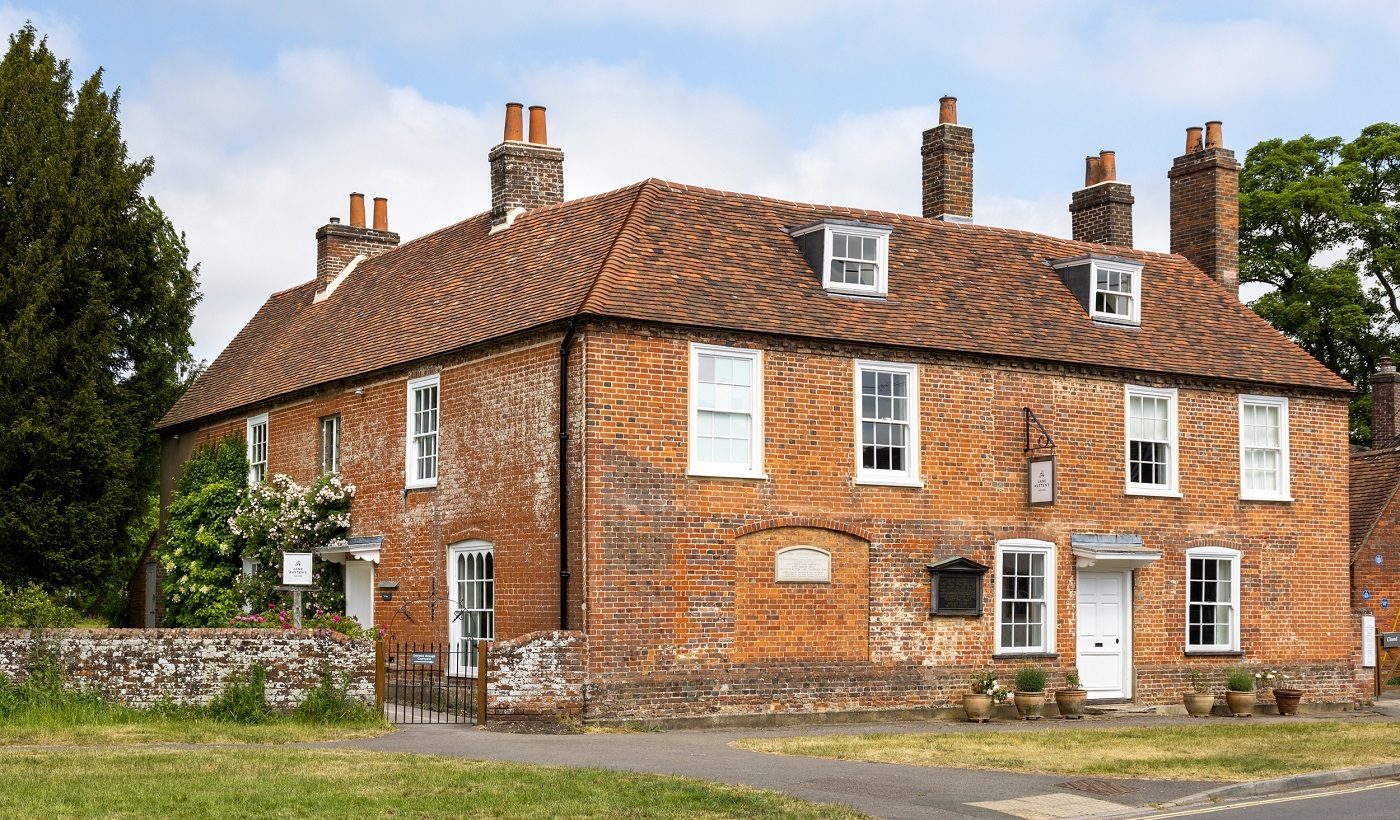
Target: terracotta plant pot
(1241,703)
(978,707)
(1029,704)
(1070,702)
(1287,700)
(1198,704)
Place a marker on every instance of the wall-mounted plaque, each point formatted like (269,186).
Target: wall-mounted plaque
(1041,484)
(804,565)
(956,587)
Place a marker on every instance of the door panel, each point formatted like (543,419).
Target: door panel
(1100,641)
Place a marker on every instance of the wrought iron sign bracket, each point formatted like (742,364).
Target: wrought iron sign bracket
(1037,437)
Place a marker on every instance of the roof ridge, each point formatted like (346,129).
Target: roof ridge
(605,269)
(681,187)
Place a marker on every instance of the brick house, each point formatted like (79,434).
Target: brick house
(1375,510)
(752,455)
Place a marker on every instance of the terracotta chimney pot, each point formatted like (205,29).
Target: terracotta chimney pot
(381,213)
(537,133)
(514,125)
(1091,171)
(1213,135)
(948,110)
(357,210)
(1108,166)
(1193,139)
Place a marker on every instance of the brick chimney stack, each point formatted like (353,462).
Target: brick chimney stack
(947,153)
(337,245)
(1102,211)
(1385,413)
(1205,206)
(524,174)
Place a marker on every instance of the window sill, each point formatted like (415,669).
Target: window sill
(1104,320)
(891,481)
(736,476)
(1213,653)
(1285,499)
(1151,493)
(1024,656)
(431,486)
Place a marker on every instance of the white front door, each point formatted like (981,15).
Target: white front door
(359,591)
(1102,616)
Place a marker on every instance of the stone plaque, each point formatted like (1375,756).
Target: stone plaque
(959,592)
(808,565)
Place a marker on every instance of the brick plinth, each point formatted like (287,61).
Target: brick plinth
(1103,213)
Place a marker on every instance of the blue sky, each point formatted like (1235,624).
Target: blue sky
(263,116)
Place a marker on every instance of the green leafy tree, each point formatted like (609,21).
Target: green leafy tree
(202,555)
(96,300)
(1318,224)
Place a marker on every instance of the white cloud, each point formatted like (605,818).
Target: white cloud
(63,40)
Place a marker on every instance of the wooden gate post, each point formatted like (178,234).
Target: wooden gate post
(380,678)
(482,648)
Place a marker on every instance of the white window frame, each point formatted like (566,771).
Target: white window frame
(882,256)
(331,447)
(411,481)
(721,470)
(1134,316)
(463,661)
(1215,554)
(1028,546)
(1172,488)
(908,477)
(1282,493)
(257,468)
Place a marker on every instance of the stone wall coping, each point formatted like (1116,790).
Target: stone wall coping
(178,632)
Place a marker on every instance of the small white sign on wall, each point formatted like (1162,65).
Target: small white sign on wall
(1368,640)
(296,568)
(1041,481)
(810,565)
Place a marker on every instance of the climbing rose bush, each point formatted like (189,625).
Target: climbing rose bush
(280,515)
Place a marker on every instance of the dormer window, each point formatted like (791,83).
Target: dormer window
(1108,287)
(850,257)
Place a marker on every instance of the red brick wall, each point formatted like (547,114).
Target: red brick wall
(666,576)
(497,476)
(1381,580)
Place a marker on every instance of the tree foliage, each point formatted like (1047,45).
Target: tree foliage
(201,554)
(96,300)
(1320,224)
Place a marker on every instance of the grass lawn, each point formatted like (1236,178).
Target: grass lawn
(1233,751)
(135,728)
(340,783)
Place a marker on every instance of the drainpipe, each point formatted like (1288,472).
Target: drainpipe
(564,475)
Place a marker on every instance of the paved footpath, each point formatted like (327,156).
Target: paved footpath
(880,789)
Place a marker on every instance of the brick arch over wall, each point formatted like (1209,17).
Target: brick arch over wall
(787,622)
(804,521)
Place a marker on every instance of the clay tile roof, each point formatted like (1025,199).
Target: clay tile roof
(1374,476)
(664,252)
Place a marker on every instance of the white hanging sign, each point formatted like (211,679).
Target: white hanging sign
(296,568)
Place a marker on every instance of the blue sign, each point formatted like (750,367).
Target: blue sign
(1365,594)
(1385,603)
(1380,560)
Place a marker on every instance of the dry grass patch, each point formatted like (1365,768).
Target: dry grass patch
(156,730)
(1233,751)
(340,783)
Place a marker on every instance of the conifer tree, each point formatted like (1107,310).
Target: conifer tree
(96,300)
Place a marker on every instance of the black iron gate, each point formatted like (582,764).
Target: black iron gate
(431,682)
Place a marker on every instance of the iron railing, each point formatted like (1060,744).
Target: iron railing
(431,682)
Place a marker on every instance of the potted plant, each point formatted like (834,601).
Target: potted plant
(1239,691)
(984,693)
(1200,700)
(1070,700)
(1030,691)
(1286,692)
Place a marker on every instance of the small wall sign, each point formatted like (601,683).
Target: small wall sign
(1365,594)
(803,565)
(1380,559)
(956,587)
(424,659)
(1040,486)
(296,568)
